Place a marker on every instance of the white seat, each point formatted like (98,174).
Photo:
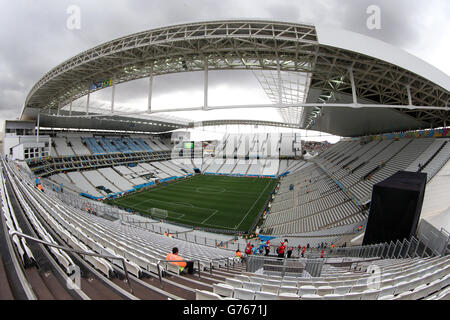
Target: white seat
(243,294)
(242,278)
(223,289)
(433,287)
(323,290)
(270,288)
(353,296)
(285,283)
(333,297)
(206,295)
(387,283)
(407,295)
(265,296)
(288,296)
(257,280)
(359,288)
(286,289)
(233,282)
(342,290)
(386,291)
(401,287)
(251,286)
(272,282)
(311,297)
(306,290)
(444,295)
(370,294)
(420,292)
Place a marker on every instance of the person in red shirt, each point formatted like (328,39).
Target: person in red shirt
(322,254)
(248,249)
(267,247)
(281,250)
(303,251)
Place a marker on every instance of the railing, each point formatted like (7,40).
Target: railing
(314,267)
(227,261)
(394,250)
(170,261)
(15,233)
(279,265)
(436,240)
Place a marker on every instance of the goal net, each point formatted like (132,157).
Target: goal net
(159,213)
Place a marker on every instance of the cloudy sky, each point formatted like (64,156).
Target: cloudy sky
(35,38)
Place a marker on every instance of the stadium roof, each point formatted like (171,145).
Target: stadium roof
(322,79)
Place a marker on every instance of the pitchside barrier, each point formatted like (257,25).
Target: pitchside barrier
(240,175)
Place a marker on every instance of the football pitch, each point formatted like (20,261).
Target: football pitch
(219,202)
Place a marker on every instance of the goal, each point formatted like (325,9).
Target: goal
(159,213)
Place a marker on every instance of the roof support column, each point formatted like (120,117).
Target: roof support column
(59,108)
(113,94)
(280,93)
(408,89)
(205,88)
(70,108)
(38,125)
(150,89)
(88,100)
(352,81)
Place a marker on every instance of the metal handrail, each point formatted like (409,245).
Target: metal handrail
(227,260)
(169,261)
(16,233)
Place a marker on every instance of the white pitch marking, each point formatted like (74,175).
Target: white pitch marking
(251,207)
(213,214)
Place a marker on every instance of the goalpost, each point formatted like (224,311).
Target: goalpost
(159,213)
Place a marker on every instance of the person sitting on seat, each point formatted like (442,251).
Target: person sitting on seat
(180,262)
(239,254)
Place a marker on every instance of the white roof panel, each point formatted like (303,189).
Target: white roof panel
(375,48)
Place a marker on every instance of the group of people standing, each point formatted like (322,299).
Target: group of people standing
(263,249)
(283,250)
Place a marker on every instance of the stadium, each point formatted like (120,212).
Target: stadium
(95,197)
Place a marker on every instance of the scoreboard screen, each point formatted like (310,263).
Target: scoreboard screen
(188,145)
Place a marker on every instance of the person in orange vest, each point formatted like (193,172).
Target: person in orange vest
(179,261)
(39,186)
(165,233)
(239,254)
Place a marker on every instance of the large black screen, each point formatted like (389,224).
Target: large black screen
(395,208)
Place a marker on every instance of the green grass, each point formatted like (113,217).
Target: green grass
(208,201)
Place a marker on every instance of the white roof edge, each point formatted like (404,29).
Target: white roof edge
(378,49)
